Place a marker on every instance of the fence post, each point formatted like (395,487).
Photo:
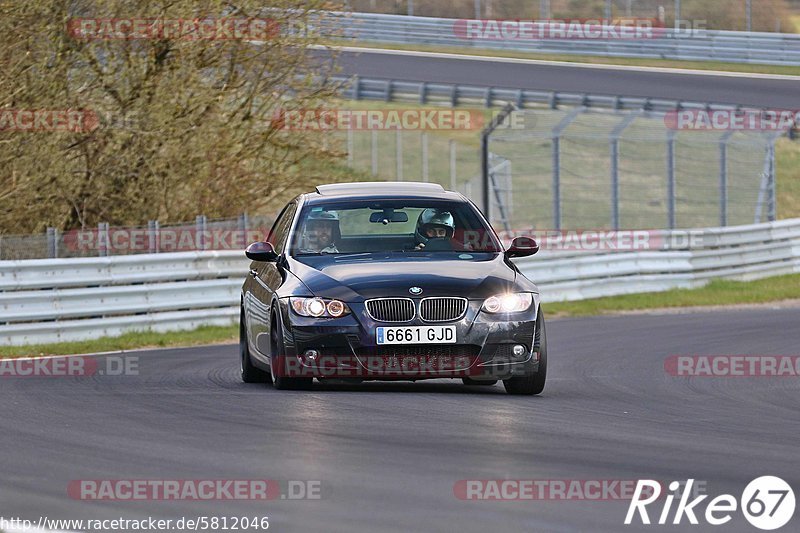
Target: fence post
(102,239)
(52,243)
(399,156)
(557,181)
(200,231)
(723,178)
(556,136)
(424,142)
(350,148)
(374,151)
(671,180)
(453,175)
(544,9)
(615,136)
(773,200)
(152,246)
(615,183)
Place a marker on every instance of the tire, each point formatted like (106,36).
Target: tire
(476,383)
(534,383)
(250,374)
(277,350)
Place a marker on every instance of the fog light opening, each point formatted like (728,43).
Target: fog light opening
(519,351)
(309,357)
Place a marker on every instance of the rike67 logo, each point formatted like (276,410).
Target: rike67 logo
(767,502)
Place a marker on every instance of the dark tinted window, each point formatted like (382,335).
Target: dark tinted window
(279,231)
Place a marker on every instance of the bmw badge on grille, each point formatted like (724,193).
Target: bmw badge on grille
(415,290)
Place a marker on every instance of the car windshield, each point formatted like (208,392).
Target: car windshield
(406,226)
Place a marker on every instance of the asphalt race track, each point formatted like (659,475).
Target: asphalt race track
(764,92)
(388,455)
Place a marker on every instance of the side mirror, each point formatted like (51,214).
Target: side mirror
(261,251)
(522,247)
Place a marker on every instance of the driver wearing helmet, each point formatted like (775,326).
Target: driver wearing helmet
(434,230)
(321,233)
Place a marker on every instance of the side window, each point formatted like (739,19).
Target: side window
(279,231)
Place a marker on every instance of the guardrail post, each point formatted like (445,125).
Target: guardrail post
(423,93)
(487,101)
(52,243)
(399,152)
(356,88)
(102,239)
(154,246)
(454,96)
(200,231)
(424,142)
(671,180)
(374,151)
(387,96)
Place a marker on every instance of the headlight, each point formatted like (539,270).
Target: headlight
(508,303)
(318,307)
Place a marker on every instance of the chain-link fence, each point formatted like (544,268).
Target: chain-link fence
(582,168)
(589,168)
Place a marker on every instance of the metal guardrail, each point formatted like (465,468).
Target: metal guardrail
(91,297)
(391,90)
(667,43)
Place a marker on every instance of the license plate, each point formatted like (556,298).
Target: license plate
(417,335)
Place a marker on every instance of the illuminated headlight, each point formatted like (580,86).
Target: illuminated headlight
(508,303)
(318,307)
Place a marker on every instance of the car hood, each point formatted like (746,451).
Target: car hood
(362,276)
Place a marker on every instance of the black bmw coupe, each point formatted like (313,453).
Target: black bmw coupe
(389,281)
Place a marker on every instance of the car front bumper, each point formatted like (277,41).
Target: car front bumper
(346,347)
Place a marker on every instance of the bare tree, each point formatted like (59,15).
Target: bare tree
(174,124)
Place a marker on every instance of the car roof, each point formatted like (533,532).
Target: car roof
(383,189)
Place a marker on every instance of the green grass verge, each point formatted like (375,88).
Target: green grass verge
(625,61)
(716,293)
(130,341)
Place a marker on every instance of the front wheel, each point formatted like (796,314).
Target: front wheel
(277,366)
(532,384)
(250,374)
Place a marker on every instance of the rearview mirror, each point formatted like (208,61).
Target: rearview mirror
(261,251)
(522,247)
(388,216)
